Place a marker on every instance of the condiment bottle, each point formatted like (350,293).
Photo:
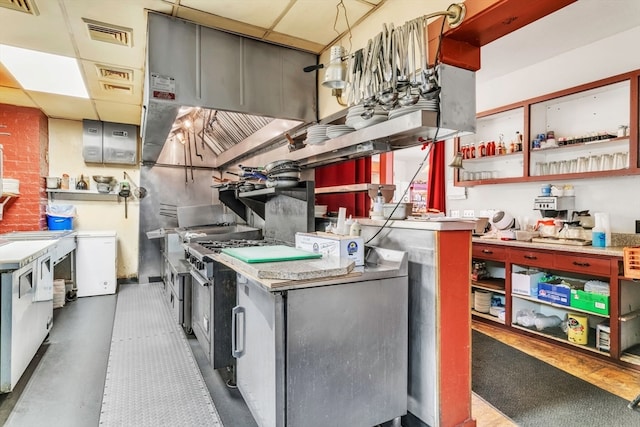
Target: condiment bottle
(482,149)
(493,148)
(472,151)
(355,229)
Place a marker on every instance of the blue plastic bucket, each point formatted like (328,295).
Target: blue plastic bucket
(59,222)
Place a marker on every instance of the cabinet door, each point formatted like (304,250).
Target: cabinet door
(258,328)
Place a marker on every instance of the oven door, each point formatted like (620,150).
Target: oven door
(201,310)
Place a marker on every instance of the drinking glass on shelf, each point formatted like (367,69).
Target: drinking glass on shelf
(594,163)
(541,169)
(563,167)
(606,162)
(573,165)
(582,164)
(620,160)
(553,168)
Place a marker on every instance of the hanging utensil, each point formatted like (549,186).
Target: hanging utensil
(139,192)
(125,191)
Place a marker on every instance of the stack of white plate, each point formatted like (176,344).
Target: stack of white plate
(422,104)
(334,131)
(356,121)
(10,185)
(482,301)
(316,135)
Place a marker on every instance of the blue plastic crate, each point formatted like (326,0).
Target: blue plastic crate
(59,222)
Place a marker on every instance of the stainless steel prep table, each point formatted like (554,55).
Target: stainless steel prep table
(323,351)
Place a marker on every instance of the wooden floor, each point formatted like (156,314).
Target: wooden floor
(618,380)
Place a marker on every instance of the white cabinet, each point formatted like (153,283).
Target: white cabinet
(96,263)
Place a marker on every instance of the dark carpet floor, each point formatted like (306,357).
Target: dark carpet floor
(534,393)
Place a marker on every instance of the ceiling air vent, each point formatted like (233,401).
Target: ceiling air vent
(115,74)
(109,33)
(111,87)
(26,6)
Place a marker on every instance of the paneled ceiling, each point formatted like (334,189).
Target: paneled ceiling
(113,70)
(109,39)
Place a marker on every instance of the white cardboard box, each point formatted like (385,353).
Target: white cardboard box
(526,282)
(328,245)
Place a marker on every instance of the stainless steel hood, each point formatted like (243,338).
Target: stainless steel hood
(234,90)
(241,96)
(456,117)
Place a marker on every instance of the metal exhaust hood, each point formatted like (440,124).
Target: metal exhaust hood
(456,117)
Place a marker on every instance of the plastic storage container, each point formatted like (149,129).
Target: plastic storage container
(60,217)
(59,222)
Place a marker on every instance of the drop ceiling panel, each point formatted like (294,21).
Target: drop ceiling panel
(261,13)
(12,96)
(6,79)
(95,82)
(118,113)
(64,107)
(126,14)
(313,20)
(46,32)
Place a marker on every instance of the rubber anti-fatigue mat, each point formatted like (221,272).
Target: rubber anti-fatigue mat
(152,377)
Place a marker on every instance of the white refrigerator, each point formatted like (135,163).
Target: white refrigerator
(96,263)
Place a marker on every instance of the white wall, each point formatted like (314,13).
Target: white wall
(65,156)
(603,58)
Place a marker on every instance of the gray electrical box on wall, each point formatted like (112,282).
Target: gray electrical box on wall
(106,142)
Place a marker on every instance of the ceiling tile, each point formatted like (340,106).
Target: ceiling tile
(262,13)
(13,96)
(118,113)
(46,32)
(314,20)
(64,107)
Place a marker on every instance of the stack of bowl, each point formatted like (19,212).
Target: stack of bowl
(282,173)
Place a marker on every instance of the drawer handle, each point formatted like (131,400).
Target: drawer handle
(581,264)
(487,251)
(530,257)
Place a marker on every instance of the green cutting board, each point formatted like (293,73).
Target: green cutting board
(254,254)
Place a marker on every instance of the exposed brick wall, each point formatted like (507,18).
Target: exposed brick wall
(25,158)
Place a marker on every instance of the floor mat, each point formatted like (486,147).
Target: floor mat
(534,393)
(152,377)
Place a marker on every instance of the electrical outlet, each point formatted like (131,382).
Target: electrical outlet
(454,214)
(469,213)
(637,226)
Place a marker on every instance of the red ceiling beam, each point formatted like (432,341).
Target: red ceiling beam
(485,21)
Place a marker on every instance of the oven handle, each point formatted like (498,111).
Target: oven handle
(236,313)
(202,281)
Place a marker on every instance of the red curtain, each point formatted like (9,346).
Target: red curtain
(436,189)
